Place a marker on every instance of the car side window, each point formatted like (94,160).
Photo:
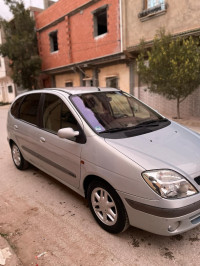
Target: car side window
(15,107)
(29,108)
(56,114)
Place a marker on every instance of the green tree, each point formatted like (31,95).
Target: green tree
(20,45)
(171,67)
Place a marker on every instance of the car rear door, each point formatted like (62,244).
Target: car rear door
(24,126)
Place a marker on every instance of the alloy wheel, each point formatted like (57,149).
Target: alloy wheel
(104,206)
(16,155)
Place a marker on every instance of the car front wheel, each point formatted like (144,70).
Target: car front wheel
(107,207)
(18,159)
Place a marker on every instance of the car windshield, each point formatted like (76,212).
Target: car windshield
(114,111)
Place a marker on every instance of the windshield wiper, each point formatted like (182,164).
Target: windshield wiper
(115,129)
(142,124)
(154,122)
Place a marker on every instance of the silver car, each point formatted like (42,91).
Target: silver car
(133,165)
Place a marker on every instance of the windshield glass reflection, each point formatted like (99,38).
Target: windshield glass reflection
(112,111)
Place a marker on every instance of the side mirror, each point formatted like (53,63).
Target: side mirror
(67,133)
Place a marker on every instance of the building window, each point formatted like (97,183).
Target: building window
(153,3)
(152,8)
(112,82)
(68,84)
(53,37)
(87,82)
(100,21)
(10,89)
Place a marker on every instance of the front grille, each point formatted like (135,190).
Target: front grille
(197,179)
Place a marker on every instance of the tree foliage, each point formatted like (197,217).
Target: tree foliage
(172,66)
(20,45)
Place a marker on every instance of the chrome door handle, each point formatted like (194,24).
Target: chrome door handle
(15,127)
(42,139)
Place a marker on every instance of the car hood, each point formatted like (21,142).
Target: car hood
(173,147)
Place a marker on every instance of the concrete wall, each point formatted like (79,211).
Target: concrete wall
(63,78)
(5,81)
(2,67)
(189,107)
(2,60)
(5,95)
(119,70)
(180,16)
(57,10)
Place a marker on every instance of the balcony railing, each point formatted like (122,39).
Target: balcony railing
(152,11)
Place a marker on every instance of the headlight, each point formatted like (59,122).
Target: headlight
(169,184)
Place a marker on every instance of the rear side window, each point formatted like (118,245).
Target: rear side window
(29,108)
(56,114)
(15,107)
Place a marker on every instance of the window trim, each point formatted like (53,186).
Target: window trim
(51,42)
(155,11)
(112,77)
(86,80)
(10,86)
(94,13)
(69,82)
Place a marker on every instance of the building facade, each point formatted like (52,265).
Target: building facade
(80,44)
(95,43)
(141,19)
(7,87)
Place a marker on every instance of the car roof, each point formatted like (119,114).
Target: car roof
(82,90)
(70,90)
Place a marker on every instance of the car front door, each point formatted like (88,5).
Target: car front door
(59,157)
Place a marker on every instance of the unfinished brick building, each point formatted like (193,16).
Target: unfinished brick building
(80,43)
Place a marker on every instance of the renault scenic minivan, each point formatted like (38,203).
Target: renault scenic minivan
(133,165)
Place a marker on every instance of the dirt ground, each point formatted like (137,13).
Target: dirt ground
(38,214)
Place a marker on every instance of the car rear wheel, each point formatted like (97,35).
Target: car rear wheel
(18,159)
(107,207)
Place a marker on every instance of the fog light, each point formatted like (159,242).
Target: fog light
(173,226)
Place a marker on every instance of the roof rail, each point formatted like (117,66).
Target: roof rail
(100,88)
(58,89)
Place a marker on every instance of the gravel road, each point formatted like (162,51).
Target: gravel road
(38,215)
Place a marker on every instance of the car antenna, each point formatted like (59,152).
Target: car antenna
(98,89)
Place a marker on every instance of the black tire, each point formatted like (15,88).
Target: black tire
(109,212)
(17,157)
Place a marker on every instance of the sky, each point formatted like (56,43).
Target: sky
(4,11)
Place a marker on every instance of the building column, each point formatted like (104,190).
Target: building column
(81,75)
(95,77)
(131,76)
(53,81)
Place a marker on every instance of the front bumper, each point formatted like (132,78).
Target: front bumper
(162,221)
